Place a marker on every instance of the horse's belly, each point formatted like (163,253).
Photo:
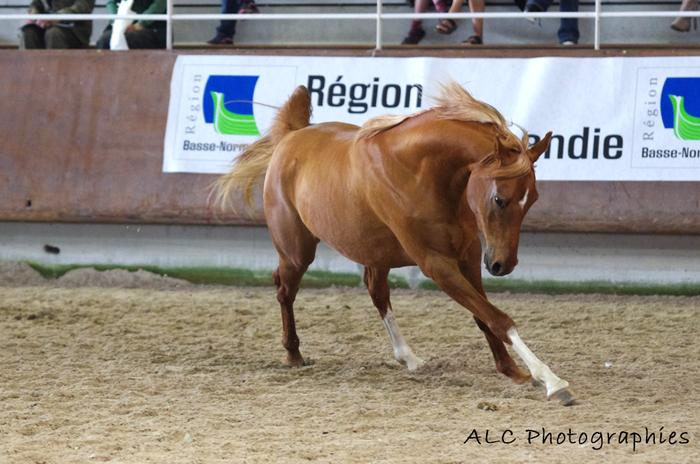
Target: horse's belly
(354,232)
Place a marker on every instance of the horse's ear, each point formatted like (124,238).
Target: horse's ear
(537,149)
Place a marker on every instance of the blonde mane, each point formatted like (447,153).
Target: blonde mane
(456,103)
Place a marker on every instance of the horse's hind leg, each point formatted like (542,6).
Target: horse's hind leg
(377,281)
(287,280)
(296,247)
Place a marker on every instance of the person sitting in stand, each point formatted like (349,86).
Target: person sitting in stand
(57,34)
(416,33)
(140,34)
(227,28)
(448,26)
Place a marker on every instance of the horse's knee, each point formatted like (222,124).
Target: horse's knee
(500,324)
(283,296)
(276,278)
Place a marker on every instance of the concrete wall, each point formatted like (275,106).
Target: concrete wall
(658,259)
(81,140)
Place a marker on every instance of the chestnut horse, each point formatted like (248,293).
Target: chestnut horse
(400,191)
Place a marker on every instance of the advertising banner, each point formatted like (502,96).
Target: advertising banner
(613,119)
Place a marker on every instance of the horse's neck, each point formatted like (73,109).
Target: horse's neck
(453,142)
(429,156)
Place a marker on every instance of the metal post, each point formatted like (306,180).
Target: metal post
(378,45)
(169,25)
(596,35)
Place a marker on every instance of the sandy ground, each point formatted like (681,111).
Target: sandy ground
(181,374)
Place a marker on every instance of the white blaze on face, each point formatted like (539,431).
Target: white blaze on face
(402,352)
(494,190)
(524,200)
(539,370)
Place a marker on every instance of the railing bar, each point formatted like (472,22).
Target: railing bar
(368,16)
(395,3)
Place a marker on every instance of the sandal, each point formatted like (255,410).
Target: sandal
(248,8)
(414,36)
(474,40)
(683,24)
(446,26)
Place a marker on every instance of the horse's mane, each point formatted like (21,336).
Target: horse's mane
(456,103)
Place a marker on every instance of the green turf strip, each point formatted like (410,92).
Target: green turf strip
(321,279)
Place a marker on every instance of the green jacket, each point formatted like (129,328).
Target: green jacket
(143,7)
(82,29)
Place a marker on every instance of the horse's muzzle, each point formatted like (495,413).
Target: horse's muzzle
(497,267)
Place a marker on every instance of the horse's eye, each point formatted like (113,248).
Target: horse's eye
(499,202)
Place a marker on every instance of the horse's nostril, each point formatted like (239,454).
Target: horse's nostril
(496,268)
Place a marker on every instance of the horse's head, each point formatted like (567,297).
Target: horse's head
(500,191)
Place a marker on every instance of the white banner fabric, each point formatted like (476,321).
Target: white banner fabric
(613,119)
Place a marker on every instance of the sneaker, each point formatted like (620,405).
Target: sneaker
(220,39)
(414,36)
(533,8)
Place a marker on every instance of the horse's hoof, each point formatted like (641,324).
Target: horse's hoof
(294,360)
(565,397)
(414,364)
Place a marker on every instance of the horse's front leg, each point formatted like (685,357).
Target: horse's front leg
(447,275)
(471,270)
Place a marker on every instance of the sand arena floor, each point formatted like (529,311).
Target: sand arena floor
(180,374)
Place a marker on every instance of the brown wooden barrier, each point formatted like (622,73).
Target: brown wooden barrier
(81,140)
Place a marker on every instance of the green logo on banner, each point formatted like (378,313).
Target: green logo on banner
(229,123)
(685,126)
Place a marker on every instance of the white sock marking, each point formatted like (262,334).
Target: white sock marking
(539,370)
(524,200)
(402,352)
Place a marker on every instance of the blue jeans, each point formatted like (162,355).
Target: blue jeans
(568,30)
(228,27)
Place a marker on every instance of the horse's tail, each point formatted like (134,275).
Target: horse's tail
(252,164)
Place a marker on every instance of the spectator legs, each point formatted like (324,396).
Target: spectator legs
(568,30)
(146,38)
(227,28)
(61,37)
(31,37)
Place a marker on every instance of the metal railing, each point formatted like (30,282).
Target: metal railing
(379,16)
